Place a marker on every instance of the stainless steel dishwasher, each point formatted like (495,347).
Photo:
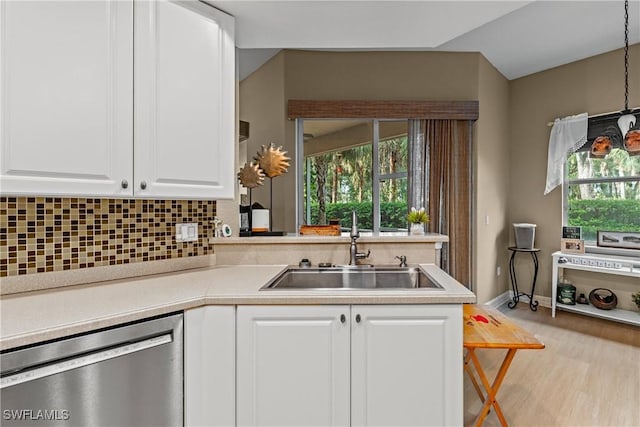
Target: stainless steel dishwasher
(131,375)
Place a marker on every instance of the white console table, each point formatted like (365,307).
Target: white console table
(609,264)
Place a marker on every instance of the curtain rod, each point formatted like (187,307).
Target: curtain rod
(604,115)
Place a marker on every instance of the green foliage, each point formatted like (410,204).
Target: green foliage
(603,205)
(341,180)
(392,214)
(417,216)
(604,215)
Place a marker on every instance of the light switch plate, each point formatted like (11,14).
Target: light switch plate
(187,232)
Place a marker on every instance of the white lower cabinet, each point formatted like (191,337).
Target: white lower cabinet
(371,365)
(293,366)
(209,366)
(406,365)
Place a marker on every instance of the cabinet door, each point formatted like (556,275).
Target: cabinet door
(209,366)
(406,365)
(66,84)
(292,366)
(184,101)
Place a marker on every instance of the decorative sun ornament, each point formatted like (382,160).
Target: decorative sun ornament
(273,161)
(251,176)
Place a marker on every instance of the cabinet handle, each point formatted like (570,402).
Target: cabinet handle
(143,185)
(357,318)
(343,318)
(124,183)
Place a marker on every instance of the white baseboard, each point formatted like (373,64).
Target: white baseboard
(544,301)
(505,297)
(500,300)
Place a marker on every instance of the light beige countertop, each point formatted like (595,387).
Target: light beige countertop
(344,238)
(43,315)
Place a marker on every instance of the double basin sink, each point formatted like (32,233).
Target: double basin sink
(352,278)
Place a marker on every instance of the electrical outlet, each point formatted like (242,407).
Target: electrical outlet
(187,232)
(498,271)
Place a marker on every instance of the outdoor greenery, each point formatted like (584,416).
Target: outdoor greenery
(394,214)
(603,203)
(604,215)
(338,181)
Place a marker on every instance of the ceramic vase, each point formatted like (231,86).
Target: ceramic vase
(416,230)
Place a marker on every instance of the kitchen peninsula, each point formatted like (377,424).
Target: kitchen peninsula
(265,250)
(224,307)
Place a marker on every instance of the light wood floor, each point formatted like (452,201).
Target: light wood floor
(588,374)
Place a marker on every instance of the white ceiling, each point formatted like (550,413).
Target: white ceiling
(517,37)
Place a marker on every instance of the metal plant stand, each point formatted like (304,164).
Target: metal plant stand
(533,305)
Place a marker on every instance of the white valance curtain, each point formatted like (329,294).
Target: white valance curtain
(567,136)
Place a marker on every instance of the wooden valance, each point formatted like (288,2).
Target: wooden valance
(443,110)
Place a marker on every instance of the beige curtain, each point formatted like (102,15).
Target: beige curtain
(447,168)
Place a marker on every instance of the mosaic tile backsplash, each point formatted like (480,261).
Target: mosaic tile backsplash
(41,234)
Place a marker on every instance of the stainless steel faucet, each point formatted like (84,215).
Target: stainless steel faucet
(355,234)
(403,260)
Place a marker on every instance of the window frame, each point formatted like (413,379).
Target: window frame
(376,177)
(566,182)
(300,109)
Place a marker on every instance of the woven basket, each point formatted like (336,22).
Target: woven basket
(603,299)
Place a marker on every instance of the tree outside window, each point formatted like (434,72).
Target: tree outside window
(602,194)
(341,180)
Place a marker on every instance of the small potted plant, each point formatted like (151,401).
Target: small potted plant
(417,218)
(636,298)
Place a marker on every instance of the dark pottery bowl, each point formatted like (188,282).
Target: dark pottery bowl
(603,299)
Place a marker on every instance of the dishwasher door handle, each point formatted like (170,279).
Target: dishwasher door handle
(83,360)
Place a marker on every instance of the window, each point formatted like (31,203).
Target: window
(442,129)
(356,165)
(392,175)
(602,194)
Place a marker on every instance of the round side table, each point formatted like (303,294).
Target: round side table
(533,305)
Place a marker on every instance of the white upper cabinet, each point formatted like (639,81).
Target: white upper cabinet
(66,93)
(95,102)
(184,76)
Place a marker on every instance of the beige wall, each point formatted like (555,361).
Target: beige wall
(491,183)
(381,75)
(230,252)
(594,85)
(262,104)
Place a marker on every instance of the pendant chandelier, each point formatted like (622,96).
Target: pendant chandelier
(626,135)
(627,121)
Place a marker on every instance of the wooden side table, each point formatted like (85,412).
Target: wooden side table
(533,305)
(485,327)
